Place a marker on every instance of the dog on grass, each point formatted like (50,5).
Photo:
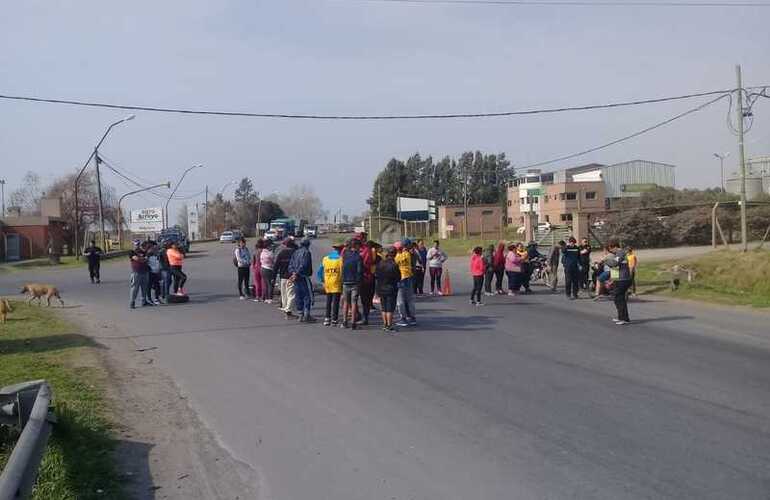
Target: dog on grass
(38,291)
(5,308)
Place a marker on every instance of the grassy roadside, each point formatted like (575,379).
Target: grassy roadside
(67,262)
(35,344)
(723,277)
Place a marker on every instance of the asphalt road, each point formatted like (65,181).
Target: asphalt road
(531,397)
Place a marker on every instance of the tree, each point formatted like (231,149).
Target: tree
(26,199)
(301,202)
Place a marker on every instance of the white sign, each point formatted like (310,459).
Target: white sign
(263,226)
(193,223)
(146,220)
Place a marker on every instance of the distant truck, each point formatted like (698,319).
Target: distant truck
(311,231)
(284,227)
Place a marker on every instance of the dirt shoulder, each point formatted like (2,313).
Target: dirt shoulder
(163,450)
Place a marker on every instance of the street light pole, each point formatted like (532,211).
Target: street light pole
(166,185)
(722,157)
(80,174)
(2,194)
(165,210)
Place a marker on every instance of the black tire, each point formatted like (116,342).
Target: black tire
(178,299)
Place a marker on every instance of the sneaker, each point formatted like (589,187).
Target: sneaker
(479,304)
(441,293)
(255,300)
(621,323)
(335,322)
(327,322)
(402,324)
(132,305)
(344,324)
(473,302)
(511,294)
(268,301)
(182,291)
(242,297)
(302,319)
(156,302)
(412,322)
(310,319)
(288,315)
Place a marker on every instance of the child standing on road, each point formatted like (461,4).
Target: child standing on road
(478,268)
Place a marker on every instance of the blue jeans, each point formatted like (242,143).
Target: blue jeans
(165,283)
(405,299)
(139,283)
(304,293)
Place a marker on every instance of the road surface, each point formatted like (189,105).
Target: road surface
(526,398)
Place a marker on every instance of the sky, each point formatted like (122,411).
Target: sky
(354,57)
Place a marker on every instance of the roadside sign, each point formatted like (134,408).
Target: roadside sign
(535,192)
(146,220)
(263,226)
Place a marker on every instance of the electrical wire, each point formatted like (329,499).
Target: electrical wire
(576,3)
(189,111)
(138,184)
(628,137)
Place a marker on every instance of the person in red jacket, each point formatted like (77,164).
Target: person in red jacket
(498,264)
(478,267)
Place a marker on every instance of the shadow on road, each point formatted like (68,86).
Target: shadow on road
(445,324)
(662,319)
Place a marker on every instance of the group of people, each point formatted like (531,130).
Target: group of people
(155,269)
(355,276)
(613,274)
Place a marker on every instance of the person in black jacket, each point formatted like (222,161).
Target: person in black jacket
(387,276)
(352,273)
(94,256)
(572,276)
(621,277)
(585,263)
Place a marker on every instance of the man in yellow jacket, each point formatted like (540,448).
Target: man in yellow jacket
(330,274)
(405,259)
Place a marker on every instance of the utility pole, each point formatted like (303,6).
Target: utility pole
(101,204)
(465,201)
(206,217)
(2,194)
(742,160)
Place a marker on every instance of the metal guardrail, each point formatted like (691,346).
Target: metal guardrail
(27,407)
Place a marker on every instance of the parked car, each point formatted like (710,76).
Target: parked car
(271,235)
(227,237)
(311,231)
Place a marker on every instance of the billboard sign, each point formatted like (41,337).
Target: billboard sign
(146,220)
(415,209)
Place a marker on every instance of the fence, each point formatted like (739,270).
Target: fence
(25,406)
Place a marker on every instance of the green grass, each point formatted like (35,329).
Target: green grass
(724,277)
(67,262)
(462,248)
(35,344)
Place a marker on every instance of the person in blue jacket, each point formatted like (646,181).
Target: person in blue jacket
(301,269)
(571,260)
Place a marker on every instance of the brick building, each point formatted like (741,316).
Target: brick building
(486,219)
(28,236)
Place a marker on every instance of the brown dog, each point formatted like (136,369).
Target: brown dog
(5,308)
(37,291)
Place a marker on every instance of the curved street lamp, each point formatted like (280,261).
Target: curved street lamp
(722,157)
(166,185)
(165,211)
(93,155)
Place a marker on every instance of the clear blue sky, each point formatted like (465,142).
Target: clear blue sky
(341,56)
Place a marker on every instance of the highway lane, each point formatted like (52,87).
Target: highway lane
(531,397)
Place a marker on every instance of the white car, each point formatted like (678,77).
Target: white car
(271,235)
(226,237)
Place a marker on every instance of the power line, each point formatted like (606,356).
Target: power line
(190,111)
(628,137)
(576,3)
(137,184)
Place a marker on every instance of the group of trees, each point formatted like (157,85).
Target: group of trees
(484,176)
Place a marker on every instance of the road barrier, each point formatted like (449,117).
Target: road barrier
(25,406)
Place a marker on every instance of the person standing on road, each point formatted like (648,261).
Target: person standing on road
(301,269)
(329,274)
(267,263)
(282,271)
(436,258)
(405,299)
(369,260)
(489,269)
(139,275)
(94,256)
(176,260)
(153,261)
(242,262)
(256,270)
(633,261)
(513,261)
(620,274)
(165,272)
(388,276)
(498,261)
(572,272)
(585,263)
(352,273)
(419,269)
(478,269)
(554,258)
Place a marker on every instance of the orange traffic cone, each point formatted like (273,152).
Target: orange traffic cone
(446,287)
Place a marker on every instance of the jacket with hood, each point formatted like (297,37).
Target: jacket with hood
(477,265)
(242,256)
(282,261)
(330,272)
(388,276)
(301,262)
(436,257)
(352,267)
